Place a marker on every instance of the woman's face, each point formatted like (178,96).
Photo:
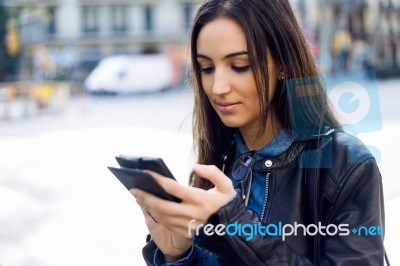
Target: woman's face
(226,75)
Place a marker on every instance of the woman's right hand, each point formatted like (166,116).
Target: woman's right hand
(171,244)
(177,222)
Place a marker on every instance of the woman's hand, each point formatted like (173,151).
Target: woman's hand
(171,244)
(175,226)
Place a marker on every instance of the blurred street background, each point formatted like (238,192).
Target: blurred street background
(84,80)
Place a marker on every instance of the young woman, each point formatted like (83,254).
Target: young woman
(277,181)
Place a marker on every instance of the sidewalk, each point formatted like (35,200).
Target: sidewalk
(387,141)
(26,99)
(59,204)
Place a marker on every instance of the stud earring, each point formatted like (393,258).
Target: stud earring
(282,78)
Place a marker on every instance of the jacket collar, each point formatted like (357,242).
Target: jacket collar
(304,141)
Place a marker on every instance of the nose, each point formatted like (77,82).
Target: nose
(222,84)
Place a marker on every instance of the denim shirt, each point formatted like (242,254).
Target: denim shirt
(275,147)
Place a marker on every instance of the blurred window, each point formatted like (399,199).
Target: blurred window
(188,14)
(51,22)
(148,18)
(90,19)
(119,18)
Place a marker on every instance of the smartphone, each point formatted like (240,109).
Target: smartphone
(145,163)
(132,175)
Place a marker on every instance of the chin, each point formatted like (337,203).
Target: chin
(232,123)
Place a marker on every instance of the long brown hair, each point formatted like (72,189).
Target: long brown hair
(269,25)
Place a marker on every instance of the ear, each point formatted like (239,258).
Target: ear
(281,75)
(280,72)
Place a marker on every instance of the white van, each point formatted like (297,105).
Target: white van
(124,74)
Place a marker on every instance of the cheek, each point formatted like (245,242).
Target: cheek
(207,89)
(255,106)
(254,96)
(272,88)
(250,96)
(251,89)
(206,83)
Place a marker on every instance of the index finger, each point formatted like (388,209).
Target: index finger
(214,175)
(172,187)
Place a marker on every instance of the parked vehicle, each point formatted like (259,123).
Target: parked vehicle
(124,74)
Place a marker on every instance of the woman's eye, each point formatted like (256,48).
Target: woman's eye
(206,70)
(241,69)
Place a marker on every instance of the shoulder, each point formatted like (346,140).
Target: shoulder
(350,148)
(336,149)
(346,166)
(347,156)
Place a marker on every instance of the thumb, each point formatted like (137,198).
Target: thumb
(214,175)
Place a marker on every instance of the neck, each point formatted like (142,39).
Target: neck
(249,135)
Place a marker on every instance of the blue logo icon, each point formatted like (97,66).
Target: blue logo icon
(354,98)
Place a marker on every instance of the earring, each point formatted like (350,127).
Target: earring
(282,78)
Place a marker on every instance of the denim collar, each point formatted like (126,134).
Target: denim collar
(279,144)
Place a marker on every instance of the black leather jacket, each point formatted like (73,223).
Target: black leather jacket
(346,188)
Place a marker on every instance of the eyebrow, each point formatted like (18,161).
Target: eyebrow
(225,57)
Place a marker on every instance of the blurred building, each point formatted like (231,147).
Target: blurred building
(60,35)
(80,32)
(374,26)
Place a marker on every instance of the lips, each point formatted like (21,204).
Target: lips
(227,107)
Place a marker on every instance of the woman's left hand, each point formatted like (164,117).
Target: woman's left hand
(197,204)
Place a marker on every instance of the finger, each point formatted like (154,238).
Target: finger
(214,175)
(174,223)
(158,207)
(173,187)
(187,227)
(152,217)
(150,221)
